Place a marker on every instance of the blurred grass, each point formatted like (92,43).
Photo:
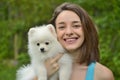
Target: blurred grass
(8,70)
(8,67)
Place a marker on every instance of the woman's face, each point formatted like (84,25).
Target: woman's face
(69,30)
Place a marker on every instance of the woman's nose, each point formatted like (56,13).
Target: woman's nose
(69,31)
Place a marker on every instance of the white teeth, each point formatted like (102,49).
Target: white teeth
(69,40)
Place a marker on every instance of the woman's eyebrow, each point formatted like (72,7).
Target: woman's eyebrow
(61,23)
(76,22)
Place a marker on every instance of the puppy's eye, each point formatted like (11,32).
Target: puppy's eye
(47,43)
(38,44)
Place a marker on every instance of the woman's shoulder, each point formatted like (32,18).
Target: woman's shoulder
(102,72)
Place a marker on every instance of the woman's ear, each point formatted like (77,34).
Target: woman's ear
(52,29)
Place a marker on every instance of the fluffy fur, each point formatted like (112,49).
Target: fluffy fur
(43,44)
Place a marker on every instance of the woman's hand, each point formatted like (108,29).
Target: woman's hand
(52,65)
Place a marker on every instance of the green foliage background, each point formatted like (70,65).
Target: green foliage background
(17,16)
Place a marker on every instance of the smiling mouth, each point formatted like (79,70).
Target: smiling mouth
(70,40)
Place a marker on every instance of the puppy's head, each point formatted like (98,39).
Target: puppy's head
(41,39)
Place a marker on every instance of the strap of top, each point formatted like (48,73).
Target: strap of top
(90,71)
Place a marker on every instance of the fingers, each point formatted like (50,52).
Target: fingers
(56,58)
(35,78)
(55,65)
(51,68)
(52,64)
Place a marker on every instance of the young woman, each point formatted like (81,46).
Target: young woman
(78,35)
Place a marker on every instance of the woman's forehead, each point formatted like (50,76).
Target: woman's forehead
(67,16)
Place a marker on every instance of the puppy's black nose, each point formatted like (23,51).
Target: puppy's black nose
(42,49)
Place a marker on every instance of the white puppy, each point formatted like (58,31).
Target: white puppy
(43,44)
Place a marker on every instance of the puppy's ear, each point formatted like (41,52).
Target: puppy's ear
(31,31)
(52,29)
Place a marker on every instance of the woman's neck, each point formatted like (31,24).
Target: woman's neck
(75,55)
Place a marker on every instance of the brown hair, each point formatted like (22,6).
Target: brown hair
(89,49)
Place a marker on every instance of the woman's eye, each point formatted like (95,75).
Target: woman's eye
(76,26)
(61,27)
